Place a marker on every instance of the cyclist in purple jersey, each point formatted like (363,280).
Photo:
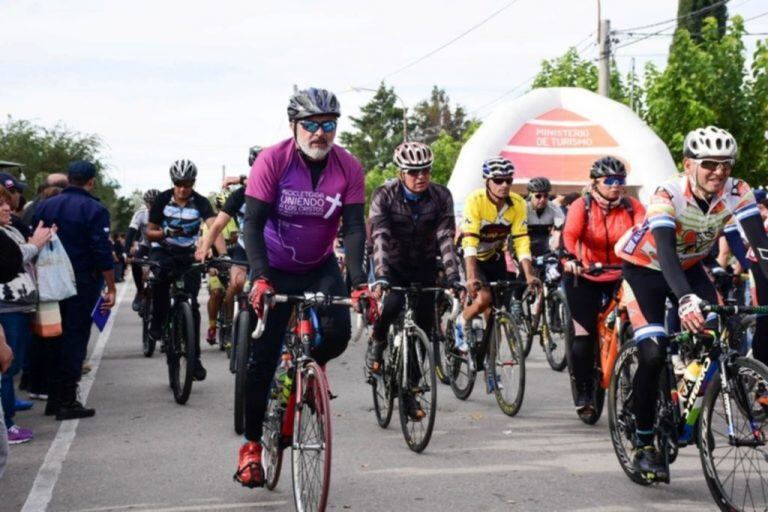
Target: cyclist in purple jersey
(298,192)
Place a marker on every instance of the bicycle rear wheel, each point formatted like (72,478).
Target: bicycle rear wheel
(311,452)
(382,388)
(507,364)
(556,329)
(184,345)
(736,472)
(147,342)
(621,416)
(241,369)
(422,388)
(272,439)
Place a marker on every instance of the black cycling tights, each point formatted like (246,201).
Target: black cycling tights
(585,299)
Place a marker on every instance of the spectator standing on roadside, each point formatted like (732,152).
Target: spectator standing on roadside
(83,224)
(16,187)
(53,184)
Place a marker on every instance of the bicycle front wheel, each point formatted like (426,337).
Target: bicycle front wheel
(506,364)
(241,369)
(147,342)
(735,468)
(525,320)
(184,345)
(272,439)
(556,329)
(461,369)
(311,451)
(417,390)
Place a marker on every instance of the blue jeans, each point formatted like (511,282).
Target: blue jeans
(18,334)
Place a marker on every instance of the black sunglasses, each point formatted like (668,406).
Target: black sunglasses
(184,184)
(419,172)
(712,165)
(540,196)
(312,126)
(502,181)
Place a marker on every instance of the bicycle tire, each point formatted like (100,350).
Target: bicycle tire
(223,327)
(148,343)
(555,329)
(621,418)
(416,434)
(272,440)
(186,345)
(527,321)
(241,370)
(311,434)
(506,364)
(442,339)
(461,373)
(382,389)
(748,379)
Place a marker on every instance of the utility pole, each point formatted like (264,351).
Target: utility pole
(632,88)
(604,62)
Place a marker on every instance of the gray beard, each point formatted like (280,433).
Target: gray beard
(314,153)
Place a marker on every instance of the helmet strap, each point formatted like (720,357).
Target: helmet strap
(494,197)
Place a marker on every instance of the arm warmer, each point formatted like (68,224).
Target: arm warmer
(353,220)
(669,262)
(256,214)
(737,246)
(755,233)
(129,238)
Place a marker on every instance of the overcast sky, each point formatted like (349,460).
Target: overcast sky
(161,80)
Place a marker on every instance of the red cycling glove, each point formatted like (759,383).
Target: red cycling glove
(362,293)
(261,287)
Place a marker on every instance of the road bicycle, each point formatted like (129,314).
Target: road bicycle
(720,405)
(298,408)
(613,331)
(546,313)
(497,348)
(408,373)
(442,333)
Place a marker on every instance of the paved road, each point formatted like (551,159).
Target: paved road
(144,452)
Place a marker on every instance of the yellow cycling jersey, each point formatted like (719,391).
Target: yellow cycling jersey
(485,228)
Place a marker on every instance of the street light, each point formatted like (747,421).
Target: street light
(405,109)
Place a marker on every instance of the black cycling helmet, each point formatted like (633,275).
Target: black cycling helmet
(150,195)
(253,152)
(312,102)
(539,185)
(607,166)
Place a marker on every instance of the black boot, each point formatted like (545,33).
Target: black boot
(71,408)
(54,399)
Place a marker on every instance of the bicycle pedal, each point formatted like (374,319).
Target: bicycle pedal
(331,396)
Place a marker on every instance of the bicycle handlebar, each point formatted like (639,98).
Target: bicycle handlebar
(308,298)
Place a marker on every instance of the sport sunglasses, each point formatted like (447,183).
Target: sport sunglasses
(712,165)
(312,126)
(418,172)
(614,180)
(502,181)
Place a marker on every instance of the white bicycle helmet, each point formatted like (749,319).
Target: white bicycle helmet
(413,156)
(183,170)
(498,167)
(709,142)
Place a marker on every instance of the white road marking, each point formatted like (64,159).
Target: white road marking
(158,508)
(42,489)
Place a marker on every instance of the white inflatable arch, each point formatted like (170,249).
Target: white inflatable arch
(558,133)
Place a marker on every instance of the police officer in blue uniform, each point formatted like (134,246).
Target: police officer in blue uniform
(84,225)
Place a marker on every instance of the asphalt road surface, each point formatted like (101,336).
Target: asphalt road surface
(142,451)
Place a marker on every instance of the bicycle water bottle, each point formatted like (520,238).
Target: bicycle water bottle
(691,375)
(477,328)
(284,377)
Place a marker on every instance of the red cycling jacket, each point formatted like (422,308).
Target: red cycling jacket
(591,237)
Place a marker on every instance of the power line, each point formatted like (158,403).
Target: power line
(445,45)
(680,18)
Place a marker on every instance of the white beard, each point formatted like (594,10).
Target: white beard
(314,153)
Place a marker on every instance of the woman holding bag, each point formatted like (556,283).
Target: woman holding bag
(18,298)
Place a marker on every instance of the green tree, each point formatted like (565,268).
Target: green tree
(446,151)
(704,9)
(378,130)
(47,150)
(434,115)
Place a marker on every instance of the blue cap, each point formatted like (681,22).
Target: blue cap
(82,170)
(10,181)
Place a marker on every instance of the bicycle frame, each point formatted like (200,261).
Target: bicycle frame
(611,321)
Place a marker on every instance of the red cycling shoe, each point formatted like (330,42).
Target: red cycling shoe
(249,471)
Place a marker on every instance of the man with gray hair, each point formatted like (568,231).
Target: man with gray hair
(53,180)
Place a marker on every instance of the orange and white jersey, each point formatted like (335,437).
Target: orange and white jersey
(673,205)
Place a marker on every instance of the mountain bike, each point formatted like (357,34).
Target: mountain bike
(498,349)
(613,331)
(148,343)
(298,409)
(722,410)
(408,373)
(178,332)
(223,321)
(547,314)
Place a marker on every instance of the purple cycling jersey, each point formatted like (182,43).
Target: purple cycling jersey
(302,227)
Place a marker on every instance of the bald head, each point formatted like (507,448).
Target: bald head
(57,179)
